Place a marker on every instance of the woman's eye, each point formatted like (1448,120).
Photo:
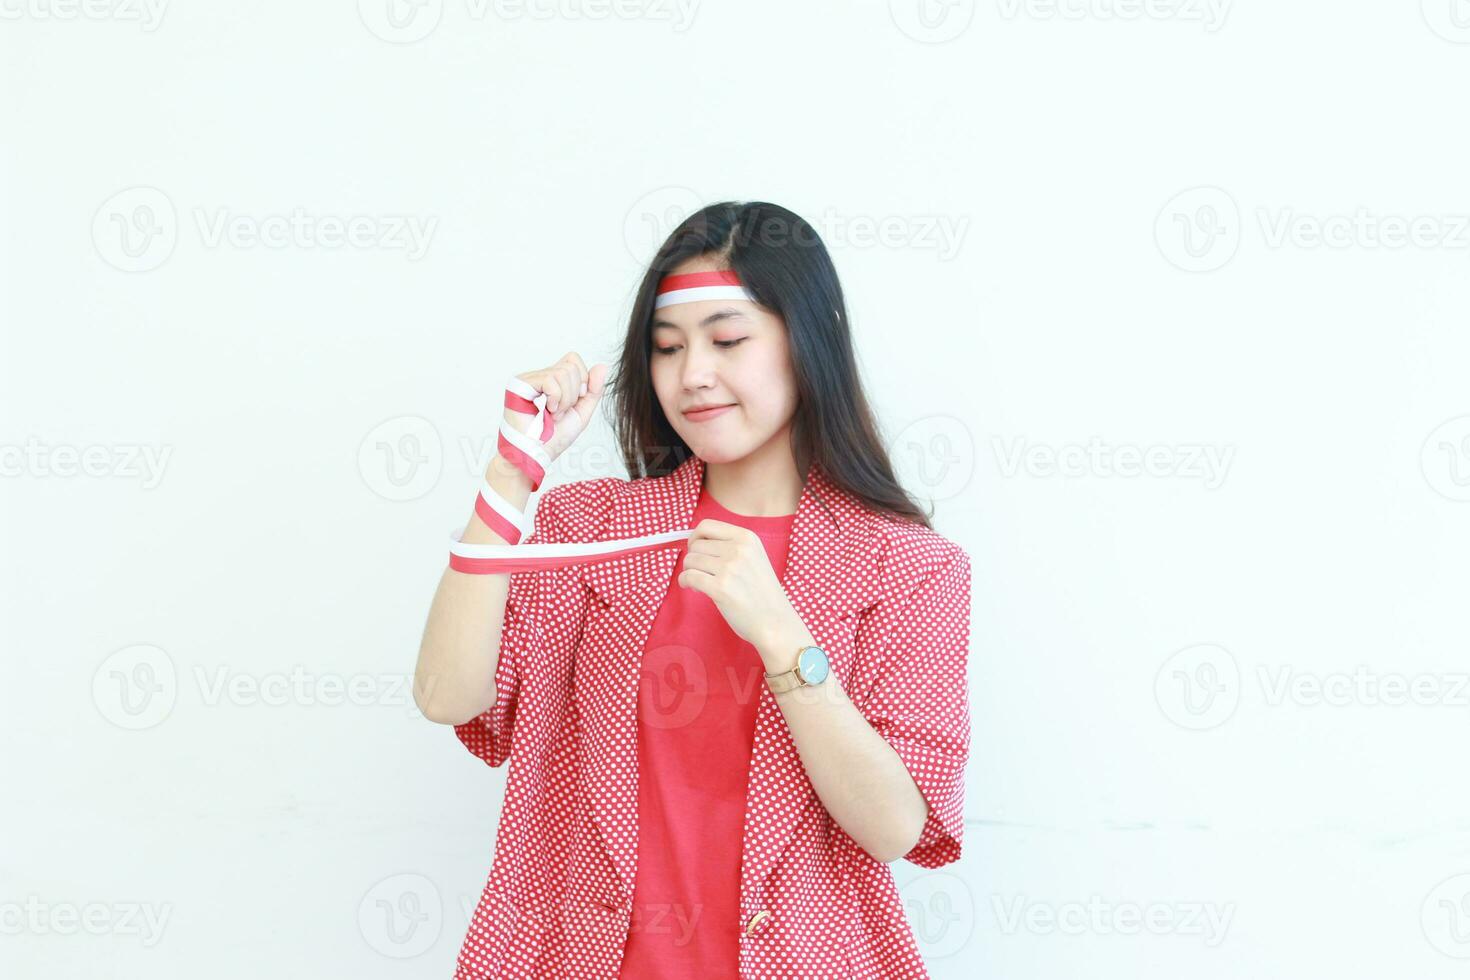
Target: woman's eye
(726,344)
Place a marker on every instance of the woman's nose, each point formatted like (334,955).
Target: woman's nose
(698,369)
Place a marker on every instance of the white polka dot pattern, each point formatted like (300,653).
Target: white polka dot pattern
(887,599)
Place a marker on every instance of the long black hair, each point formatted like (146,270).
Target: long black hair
(782,261)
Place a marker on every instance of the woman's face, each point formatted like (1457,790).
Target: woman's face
(722,352)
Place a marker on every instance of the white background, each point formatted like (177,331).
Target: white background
(1232,232)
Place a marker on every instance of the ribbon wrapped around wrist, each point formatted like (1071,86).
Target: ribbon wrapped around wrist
(527,453)
(513,524)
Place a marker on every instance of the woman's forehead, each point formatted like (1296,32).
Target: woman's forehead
(695,316)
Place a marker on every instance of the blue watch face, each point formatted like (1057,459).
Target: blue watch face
(813,664)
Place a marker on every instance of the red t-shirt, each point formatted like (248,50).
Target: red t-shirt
(699,687)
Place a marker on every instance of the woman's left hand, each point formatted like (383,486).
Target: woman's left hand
(729,564)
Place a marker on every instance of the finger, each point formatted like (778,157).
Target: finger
(694,561)
(697,580)
(572,387)
(551,387)
(597,379)
(587,404)
(580,388)
(709,546)
(719,530)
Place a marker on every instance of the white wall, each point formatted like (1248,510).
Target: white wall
(1098,224)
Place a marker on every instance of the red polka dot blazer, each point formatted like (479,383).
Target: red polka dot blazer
(890,603)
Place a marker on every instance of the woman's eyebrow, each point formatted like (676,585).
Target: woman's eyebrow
(729,313)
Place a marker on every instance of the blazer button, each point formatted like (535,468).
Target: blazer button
(757,922)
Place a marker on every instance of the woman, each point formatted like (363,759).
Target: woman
(717,744)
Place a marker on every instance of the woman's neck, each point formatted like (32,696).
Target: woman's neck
(757,485)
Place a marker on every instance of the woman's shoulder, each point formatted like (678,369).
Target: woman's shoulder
(587,507)
(909,554)
(580,509)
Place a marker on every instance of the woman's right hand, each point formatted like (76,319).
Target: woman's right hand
(572,394)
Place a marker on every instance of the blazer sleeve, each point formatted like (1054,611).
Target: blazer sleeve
(920,701)
(527,632)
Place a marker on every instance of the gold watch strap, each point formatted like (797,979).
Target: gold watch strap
(787,679)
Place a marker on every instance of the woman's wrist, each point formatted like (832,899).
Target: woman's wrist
(509,481)
(781,643)
(514,487)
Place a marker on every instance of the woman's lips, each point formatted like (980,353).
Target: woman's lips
(704,415)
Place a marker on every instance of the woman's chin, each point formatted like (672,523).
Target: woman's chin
(712,451)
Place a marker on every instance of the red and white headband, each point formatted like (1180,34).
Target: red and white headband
(695,287)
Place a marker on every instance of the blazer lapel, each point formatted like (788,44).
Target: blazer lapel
(631,589)
(827,573)
(828,579)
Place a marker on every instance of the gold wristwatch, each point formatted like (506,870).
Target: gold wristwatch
(811,668)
